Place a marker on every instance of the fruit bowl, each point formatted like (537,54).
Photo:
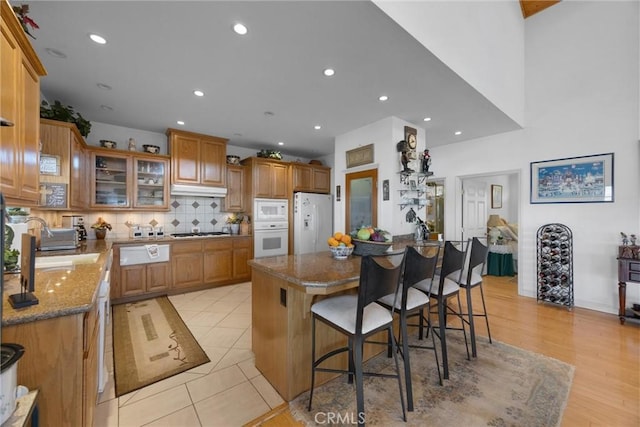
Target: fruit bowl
(341,252)
(369,247)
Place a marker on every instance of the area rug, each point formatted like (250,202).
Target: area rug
(151,343)
(504,386)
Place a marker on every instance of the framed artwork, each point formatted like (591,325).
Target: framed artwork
(49,164)
(360,156)
(385,189)
(413,185)
(337,193)
(496,196)
(586,179)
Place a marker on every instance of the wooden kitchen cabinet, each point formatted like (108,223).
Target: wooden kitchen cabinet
(61,360)
(197,159)
(20,71)
(128,181)
(311,178)
(242,253)
(144,278)
(235,199)
(187,262)
(266,178)
(218,260)
(63,141)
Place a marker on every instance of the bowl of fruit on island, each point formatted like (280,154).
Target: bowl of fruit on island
(340,245)
(371,241)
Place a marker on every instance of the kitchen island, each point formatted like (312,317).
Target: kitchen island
(283,290)
(60,336)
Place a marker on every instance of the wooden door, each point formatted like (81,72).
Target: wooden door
(133,279)
(234,202)
(212,163)
(9,138)
(241,255)
(158,276)
(79,194)
(321,180)
(474,209)
(361,199)
(280,182)
(301,177)
(262,179)
(29,128)
(185,159)
(218,260)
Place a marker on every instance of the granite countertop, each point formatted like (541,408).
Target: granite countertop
(318,270)
(61,291)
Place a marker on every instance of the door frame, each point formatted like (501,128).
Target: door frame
(373,173)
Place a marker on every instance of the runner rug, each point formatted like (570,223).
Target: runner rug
(151,343)
(504,386)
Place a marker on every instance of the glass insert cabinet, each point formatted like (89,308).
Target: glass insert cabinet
(129,181)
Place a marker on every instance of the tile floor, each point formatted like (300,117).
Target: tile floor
(228,391)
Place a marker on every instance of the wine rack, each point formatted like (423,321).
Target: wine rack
(555,264)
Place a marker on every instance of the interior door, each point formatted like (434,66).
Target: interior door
(361,199)
(474,209)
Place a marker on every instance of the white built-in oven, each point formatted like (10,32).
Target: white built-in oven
(270,227)
(270,210)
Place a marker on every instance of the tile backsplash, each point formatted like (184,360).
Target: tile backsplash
(185,213)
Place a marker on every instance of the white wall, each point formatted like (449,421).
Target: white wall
(482,41)
(582,98)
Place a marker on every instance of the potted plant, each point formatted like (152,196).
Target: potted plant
(65,113)
(101,226)
(17,215)
(10,256)
(234,221)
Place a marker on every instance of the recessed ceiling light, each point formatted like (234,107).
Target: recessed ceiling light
(317,127)
(55,53)
(240,29)
(103,86)
(280,143)
(427,119)
(98,39)
(180,122)
(329,72)
(106,108)
(198,93)
(458,132)
(383,98)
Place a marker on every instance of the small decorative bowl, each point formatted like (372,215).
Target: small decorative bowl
(341,252)
(108,144)
(153,149)
(233,160)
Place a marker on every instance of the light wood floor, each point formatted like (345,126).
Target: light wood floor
(606,354)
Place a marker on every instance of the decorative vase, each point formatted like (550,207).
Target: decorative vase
(101,233)
(235,228)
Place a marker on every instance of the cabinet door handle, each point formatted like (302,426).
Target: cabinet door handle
(5,122)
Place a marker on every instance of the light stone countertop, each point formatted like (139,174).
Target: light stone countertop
(61,291)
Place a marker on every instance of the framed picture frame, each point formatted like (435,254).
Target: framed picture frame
(585,179)
(496,196)
(360,156)
(413,185)
(49,164)
(385,190)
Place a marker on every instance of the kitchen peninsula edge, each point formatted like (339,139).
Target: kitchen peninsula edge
(283,288)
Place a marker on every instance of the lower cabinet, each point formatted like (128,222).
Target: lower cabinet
(218,260)
(242,253)
(144,278)
(187,262)
(61,361)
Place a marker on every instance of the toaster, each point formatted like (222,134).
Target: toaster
(61,238)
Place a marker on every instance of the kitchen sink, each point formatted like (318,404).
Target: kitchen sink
(66,260)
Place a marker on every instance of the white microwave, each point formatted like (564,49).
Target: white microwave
(270,210)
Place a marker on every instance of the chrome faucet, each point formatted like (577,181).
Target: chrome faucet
(45,227)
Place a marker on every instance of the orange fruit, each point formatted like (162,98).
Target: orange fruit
(346,239)
(332,242)
(337,235)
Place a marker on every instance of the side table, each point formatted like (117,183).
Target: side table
(628,271)
(500,261)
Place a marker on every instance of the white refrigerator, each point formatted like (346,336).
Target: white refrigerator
(312,222)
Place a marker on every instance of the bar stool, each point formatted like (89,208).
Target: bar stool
(358,317)
(419,266)
(446,286)
(471,278)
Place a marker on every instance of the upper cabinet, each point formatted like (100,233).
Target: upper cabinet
(197,159)
(129,181)
(266,178)
(64,161)
(20,71)
(310,178)
(236,194)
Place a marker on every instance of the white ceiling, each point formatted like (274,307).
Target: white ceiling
(159,52)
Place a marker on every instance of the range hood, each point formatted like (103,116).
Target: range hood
(196,190)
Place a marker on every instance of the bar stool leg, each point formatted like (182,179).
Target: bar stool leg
(472,328)
(407,363)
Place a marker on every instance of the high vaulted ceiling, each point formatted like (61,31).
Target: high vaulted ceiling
(261,88)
